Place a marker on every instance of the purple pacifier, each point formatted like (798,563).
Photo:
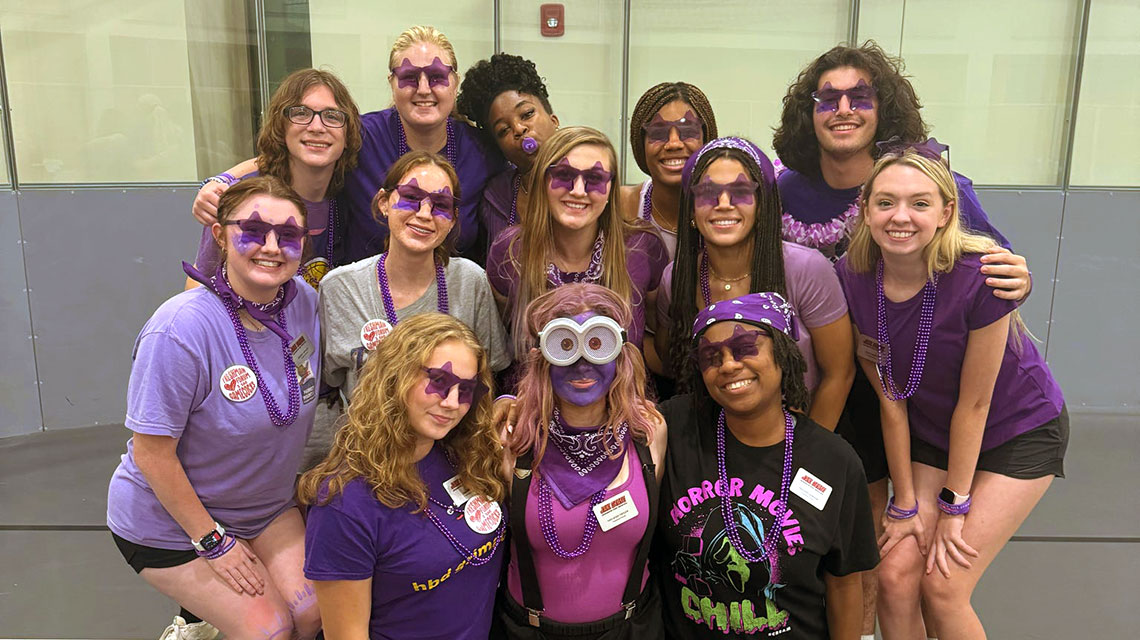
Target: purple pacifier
(529,145)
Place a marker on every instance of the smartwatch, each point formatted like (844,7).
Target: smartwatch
(210,541)
(949,496)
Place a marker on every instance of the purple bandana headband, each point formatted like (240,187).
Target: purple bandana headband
(761,309)
(930,148)
(767,171)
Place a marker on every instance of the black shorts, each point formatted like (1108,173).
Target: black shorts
(1036,453)
(142,557)
(860,426)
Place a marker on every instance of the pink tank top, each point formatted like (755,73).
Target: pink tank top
(589,587)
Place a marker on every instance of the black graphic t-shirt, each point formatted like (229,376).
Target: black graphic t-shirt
(709,589)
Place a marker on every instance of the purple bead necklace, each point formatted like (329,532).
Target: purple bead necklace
(448,151)
(290,368)
(332,231)
(647,207)
(771,538)
(386,293)
(592,274)
(922,340)
(513,218)
(546,522)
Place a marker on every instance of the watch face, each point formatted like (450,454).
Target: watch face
(947,496)
(210,541)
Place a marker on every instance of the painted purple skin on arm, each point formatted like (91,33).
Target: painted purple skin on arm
(408,75)
(563,175)
(688,128)
(742,344)
(441,380)
(583,394)
(861,97)
(741,191)
(412,197)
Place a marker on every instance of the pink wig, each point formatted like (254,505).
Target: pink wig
(626,399)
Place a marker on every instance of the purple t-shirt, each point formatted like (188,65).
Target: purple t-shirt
(1025,394)
(316,266)
(589,587)
(645,259)
(475,163)
(820,217)
(813,291)
(421,586)
(495,209)
(239,463)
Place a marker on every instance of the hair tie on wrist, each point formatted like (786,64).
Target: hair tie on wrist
(897,513)
(505,395)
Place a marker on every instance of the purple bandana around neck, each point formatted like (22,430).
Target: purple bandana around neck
(767,171)
(265,314)
(570,487)
(761,309)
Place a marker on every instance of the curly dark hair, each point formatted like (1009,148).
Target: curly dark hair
(767,261)
(792,367)
(657,97)
(899,109)
(486,79)
(273,155)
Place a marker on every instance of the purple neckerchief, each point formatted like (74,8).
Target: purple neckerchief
(767,171)
(761,309)
(266,314)
(567,485)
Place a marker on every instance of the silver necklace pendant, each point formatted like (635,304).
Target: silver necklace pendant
(727,287)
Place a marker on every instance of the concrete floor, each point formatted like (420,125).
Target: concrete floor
(1073,571)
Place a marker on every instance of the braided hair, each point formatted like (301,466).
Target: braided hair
(657,97)
(487,79)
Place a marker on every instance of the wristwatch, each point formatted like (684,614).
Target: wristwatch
(210,541)
(949,496)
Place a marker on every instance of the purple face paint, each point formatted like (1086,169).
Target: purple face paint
(741,345)
(572,382)
(441,380)
(564,176)
(255,232)
(412,198)
(741,191)
(688,128)
(529,145)
(861,97)
(408,75)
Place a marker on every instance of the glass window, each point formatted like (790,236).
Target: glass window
(105,94)
(582,68)
(998,95)
(352,38)
(1106,149)
(742,53)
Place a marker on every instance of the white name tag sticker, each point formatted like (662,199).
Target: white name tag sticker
(867,348)
(302,349)
(459,494)
(616,510)
(813,490)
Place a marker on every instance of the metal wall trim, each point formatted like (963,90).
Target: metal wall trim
(496,27)
(853,24)
(1075,91)
(6,116)
(626,12)
(262,52)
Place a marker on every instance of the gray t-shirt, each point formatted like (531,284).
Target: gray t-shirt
(350,297)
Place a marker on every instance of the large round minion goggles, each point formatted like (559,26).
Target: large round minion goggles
(563,341)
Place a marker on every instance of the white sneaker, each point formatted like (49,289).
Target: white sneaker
(180,630)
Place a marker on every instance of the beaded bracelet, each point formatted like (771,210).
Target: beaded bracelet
(898,513)
(505,395)
(223,547)
(955,509)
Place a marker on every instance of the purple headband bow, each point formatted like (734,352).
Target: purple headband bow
(930,148)
(767,171)
(761,309)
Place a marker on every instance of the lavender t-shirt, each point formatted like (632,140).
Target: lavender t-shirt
(1025,394)
(813,291)
(239,463)
(812,211)
(645,259)
(475,163)
(421,586)
(495,209)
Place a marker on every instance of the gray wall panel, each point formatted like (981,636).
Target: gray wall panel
(1095,350)
(1032,221)
(19,398)
(100,261)
(1053,590)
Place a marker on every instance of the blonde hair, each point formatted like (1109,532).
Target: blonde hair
(531,249)
(950,242)
(426,34)
(378,442)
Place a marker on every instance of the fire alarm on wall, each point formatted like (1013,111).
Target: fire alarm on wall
(552,17)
